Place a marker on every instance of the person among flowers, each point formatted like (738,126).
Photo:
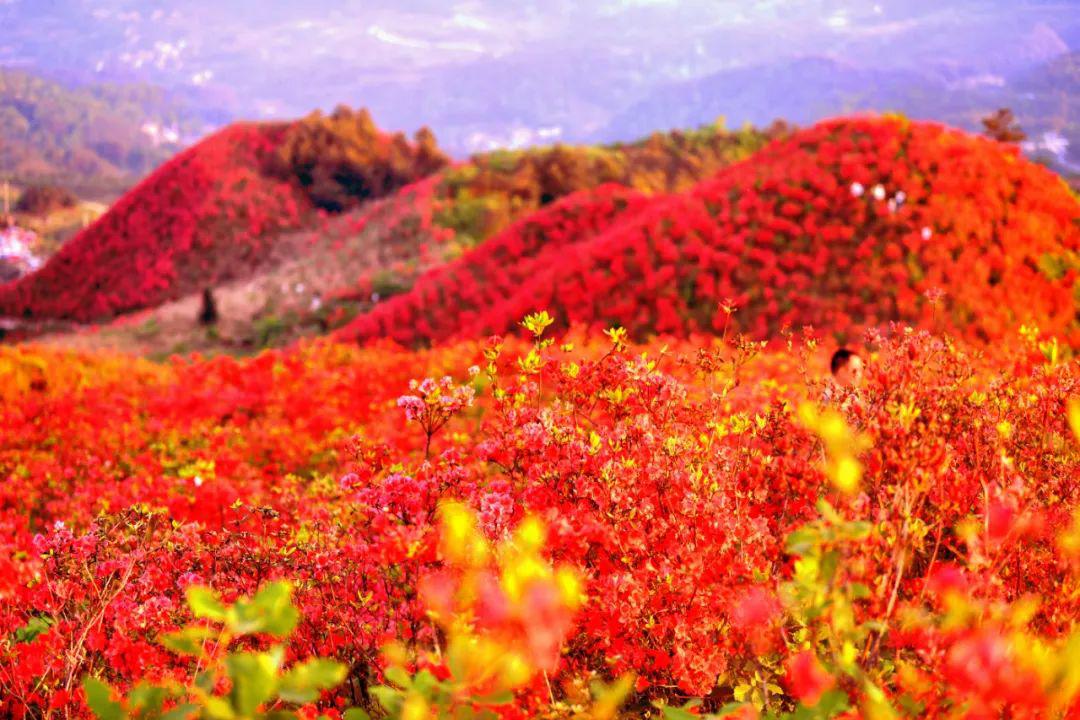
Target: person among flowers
(844,381)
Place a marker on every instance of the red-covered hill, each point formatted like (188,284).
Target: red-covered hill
(462,293)
(216,212)
(850,223)
(194,221)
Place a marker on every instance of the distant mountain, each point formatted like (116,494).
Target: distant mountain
(489,73)
(1044,97)
(96,139)
(799,91)
(1049,108)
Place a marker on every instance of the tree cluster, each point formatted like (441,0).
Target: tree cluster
(343,158)
(44,199)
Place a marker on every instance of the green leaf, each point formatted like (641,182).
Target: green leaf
(181,712)
(390,698)
(205,681)
(859,591)
(833,702)
(254,679)
(830,561)
(99,698)
(455,661)
(801,541)
(217,708)
(204,603)
(37,625)
(188,641)
(671,712)
(730,709)
(424,682)
(677,713)
(911,706)
(303,682)
(355,713)
(398,676)
(146,699)
(504,697)
(270,611)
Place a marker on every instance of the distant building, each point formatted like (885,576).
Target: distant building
(16,257)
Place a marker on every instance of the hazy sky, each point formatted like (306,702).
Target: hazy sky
(190,38)
(567,62)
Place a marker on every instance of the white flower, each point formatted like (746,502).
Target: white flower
(197,480)
(879,192)
(927,233)
(474,371)
(59,525)
(857,189)
(892,205)
(900,197)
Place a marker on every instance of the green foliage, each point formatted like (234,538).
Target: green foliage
(34,627)
(467,216)
(260,686)
(268,330)
(486,195)
(1054,267)
(149,329)
(387,283)
(89,138)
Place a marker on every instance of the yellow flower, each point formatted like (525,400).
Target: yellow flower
(531,534)
(1074,416)
(461,539)
(415,708)
(847,473)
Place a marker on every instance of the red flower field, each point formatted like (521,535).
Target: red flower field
(651,502)
(720,557)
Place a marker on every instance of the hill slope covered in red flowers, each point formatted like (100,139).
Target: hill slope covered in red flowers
(196,219)
(218,211)
(848,224)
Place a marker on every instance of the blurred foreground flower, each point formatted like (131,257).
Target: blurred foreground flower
(505,611)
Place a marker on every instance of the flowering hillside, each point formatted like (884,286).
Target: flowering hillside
(199,218)
(845,225)
(254,197)
(717,536)
(454,295)
(217,212)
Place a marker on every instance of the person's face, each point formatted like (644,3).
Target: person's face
(851,373)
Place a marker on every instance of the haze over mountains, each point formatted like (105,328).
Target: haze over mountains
(484,74)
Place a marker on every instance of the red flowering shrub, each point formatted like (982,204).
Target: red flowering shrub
(845,225)
(854,222)
(459,294)
(682,483)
